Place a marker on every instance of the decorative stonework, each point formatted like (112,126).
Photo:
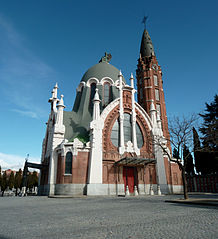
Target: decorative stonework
(127,99)
(108,125)
(144,114)
(109,108)
(145,151)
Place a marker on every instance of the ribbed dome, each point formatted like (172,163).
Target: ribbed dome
(101,70)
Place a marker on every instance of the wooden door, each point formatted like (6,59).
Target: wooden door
(128,178)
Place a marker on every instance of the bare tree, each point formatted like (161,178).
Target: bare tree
(180,135)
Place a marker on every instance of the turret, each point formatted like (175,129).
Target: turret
(131,80)
(60,111)
(59,126)
(150,84)
(96,106)
(53,100)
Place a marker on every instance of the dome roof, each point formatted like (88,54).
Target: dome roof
(101,70)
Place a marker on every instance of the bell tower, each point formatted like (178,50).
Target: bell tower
(149,81)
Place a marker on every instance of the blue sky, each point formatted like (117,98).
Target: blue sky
(47,41)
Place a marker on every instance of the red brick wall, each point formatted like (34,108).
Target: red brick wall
(44,176)
(79,169)
(114,174)
(173,173)
(145,74)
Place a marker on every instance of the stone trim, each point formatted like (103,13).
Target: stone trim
(92,80)
(109,108)
(106,80)
(145,115)
(82,84)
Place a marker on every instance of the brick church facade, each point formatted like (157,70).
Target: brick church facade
(106,144)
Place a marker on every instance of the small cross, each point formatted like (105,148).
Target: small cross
(144,21)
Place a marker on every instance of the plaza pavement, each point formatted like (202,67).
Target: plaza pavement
(107,217)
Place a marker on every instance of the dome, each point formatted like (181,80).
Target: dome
(101,70)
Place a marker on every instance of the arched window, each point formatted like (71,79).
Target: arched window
(92,92)
(82,89)
(68,163)
(115,136)
(139,136)
(127,128)
(106,93)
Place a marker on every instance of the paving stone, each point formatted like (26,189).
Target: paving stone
(105,217)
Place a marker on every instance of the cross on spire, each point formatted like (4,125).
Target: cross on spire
(144,21)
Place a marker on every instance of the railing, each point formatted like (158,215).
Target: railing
(203,183)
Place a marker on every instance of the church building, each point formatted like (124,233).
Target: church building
(107,144)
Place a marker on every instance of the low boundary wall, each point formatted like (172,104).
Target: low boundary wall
(203,183)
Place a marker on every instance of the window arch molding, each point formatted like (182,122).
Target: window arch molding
(145,116)
(111,113)
(80,86)
(91,81)
(106,80)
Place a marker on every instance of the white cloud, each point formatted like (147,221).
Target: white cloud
(4,165)
(24,76)
(26,113)
(15,162)
(12,35)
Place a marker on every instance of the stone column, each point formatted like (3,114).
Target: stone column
(58,137)
(122,147)
(157,140)
(95,186)
(134,138)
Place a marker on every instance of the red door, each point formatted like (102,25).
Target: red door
(128,178)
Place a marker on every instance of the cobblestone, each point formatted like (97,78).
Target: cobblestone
(105,217)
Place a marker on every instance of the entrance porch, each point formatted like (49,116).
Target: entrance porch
(131,168)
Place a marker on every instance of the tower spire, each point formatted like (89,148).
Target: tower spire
(147,48)
(149,82)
